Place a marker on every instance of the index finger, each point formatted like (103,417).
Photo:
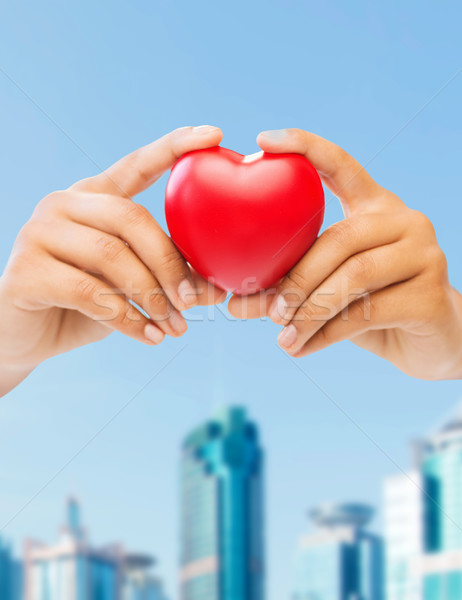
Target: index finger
(140,169)
(342,174)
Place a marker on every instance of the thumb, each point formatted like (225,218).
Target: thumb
(342,174)
(143,167)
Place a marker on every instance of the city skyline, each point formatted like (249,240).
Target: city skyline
(419,556)
(73,568)
(222,531)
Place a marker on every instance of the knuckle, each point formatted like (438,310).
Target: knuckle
(390,202)
(48,209)
(339,155)
(84,185)
(360,310)
(46,215)
(175,141)
(157,303)
(110,249)
(437,264)
(328,334)
(315,309)
(171,261)
(342,233)
(361,267)
(309,311)
(141,174)
(128,317)
(86,289)
(135,166)
(51,202)
(21,263)
(27,234)
(420,223)
(319,307)
(439,260)
(135,214)
(24,269)
(299,135)
(179,132)
(297,280)
(17,276)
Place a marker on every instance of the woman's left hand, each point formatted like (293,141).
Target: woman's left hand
(377,278)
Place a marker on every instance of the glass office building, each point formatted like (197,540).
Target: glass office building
(71,569)
(441,467)
(10,574)
(340,560)
(403,521)
(222,554)
(423,519)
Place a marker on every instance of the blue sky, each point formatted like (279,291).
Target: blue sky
(112,76)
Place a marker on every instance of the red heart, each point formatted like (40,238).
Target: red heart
(243,221)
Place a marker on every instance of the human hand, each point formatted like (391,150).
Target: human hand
(86,253)
(377,278)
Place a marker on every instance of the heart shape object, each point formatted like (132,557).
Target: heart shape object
(243,221)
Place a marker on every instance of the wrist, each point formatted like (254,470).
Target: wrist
(10,377)
(456,372)
(15,365)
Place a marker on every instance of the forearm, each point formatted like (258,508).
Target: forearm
(10,378)
(456,371)
(16,335)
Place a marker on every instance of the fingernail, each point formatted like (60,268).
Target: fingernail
(177,322)
(153,334)
(278,310)
(187,293)
(287,336)
(204,129)
(275,134)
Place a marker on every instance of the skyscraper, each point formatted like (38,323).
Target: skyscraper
(403,522)
(73,569)
(441,467)
(424,521)
(222,554)
(10,574)
(341,560)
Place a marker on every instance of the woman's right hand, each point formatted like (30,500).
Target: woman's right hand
(90,251)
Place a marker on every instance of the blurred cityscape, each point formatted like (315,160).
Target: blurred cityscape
(222,549)
(72,569)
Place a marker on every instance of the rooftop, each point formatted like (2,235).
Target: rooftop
(342,515)
(231,419)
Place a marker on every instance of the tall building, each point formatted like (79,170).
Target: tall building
(424,521)
(10,574)
(73,569)
(222,555)
(340,560)
(441,467)
(403,524)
